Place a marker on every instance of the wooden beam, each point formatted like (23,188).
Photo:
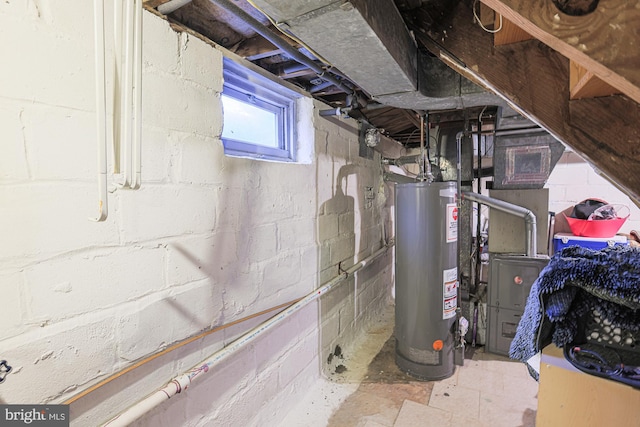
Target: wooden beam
(604,42)
(584,84)
(509,32)
(535,78)
(153,3)
(487,17)
(413,118)
(256,48)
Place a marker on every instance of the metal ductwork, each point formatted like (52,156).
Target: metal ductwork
(528,216)
(370,43)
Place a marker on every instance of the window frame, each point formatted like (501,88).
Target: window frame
(241,84)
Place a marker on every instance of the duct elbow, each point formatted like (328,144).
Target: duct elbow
(530,217)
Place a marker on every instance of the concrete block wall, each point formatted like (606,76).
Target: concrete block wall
(574,180)
(207,240)
(352,222)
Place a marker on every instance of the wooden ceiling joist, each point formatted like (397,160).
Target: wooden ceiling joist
(605,42)
(509,32)
(535,78)
(584,84)
(153,3)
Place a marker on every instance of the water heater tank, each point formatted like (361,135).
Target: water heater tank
(426,278)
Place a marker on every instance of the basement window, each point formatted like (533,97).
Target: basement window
(258,115)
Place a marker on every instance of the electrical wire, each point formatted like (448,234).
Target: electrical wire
(475,15)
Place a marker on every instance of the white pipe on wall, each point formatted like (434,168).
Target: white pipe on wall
(136,149)
(117,84)
(101,109)
(183,381)
(126,92)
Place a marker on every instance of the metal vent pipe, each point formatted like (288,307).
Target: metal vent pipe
(501,205)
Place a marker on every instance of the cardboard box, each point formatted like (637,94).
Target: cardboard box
(569,397)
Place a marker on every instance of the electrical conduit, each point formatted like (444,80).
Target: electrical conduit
(183,381)
(136,149)
(101,109)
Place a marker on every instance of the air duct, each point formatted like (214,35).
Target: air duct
(528,216)
(370,43)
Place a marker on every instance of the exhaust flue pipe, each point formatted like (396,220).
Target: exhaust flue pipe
(501,205)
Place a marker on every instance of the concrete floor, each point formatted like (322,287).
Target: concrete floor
(489,390)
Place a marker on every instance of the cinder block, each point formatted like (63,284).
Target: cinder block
(305,202)
(11,284)
(261,390)
(175,104)
(66,135)
(571,174)
(61,18)
(326,179)
(157,150)
(91,280)
(297,232)
(263,244)
(343,250)
(40,220)
(277,411)
(13,159)
(68,78)
(227,381)
(308,265)
(328,226)
(161,45)
(196,258)
(281,272)
(241,292)
(171,318)
(329,332)
(325,258)
(230,208)
(305,142)
(161,211)
(269,205)
(347,223)
(296,360)
(73,355)
(347,316)
(201,160)
(339,203)
(200,62)
(280,340)
(339,148)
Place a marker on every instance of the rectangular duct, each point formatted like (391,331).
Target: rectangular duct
(369,44)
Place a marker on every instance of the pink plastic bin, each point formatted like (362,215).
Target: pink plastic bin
(595,228)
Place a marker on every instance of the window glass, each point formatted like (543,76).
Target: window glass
(258,115)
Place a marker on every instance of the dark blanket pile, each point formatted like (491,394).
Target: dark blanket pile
(574,283)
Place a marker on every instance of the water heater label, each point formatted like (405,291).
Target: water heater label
(452,222)
(450,293)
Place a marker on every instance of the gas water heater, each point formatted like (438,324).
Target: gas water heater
(426,222)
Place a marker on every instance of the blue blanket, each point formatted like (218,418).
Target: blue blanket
(575,282)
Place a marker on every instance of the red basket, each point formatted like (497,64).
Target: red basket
(595,228)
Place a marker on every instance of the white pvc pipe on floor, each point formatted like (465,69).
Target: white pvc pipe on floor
(183,381)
